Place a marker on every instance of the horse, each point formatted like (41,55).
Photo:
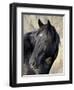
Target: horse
(40,49)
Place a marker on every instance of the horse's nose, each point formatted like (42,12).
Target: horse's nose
(33,65)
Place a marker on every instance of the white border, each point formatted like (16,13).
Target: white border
(43,78)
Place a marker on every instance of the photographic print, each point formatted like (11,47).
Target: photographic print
(40,44)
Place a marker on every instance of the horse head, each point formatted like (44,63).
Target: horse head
(45,48)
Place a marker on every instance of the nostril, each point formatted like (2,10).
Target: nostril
(33,63)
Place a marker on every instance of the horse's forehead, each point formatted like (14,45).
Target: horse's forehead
(41,34)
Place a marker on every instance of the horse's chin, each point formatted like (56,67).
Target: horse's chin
(36,70)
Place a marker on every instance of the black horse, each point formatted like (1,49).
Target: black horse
(40,49)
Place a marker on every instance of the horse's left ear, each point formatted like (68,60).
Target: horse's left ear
(40,23)
(49,24)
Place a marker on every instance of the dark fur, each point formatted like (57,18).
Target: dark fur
(41,51)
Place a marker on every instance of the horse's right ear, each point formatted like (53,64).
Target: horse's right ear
(49,23)
(40,23)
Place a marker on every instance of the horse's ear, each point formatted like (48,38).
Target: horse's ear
(40,23)
(49,24)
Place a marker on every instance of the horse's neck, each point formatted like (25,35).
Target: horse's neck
(33,38)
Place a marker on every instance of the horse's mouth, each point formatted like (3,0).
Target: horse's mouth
(35,69)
